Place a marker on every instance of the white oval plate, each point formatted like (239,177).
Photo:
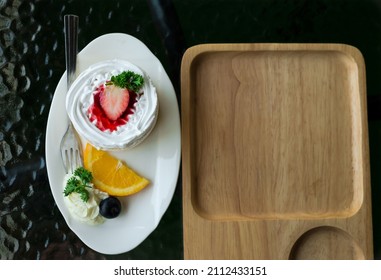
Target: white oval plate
(157,158)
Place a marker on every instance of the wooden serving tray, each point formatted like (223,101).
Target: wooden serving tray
(275,152)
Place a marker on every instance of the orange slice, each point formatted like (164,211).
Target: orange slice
(112,175)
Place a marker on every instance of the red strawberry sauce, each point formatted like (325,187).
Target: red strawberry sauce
(96,113)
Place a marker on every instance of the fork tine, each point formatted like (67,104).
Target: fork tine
(73,160)
(69,160)
(65,160)
(78,158)
(75,165)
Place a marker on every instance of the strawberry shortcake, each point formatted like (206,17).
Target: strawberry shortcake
(113,105)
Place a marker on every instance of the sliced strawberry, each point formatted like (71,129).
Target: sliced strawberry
(114,101)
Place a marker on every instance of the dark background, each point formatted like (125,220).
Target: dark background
(32,62)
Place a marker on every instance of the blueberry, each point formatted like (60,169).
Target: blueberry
(110,207)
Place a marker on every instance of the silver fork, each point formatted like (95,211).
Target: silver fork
(71,149)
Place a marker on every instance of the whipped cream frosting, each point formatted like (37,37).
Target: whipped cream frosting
(85,212)
(80,98)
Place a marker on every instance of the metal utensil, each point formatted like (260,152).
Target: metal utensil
(71,150)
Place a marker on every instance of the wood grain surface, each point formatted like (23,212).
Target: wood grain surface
(275,152)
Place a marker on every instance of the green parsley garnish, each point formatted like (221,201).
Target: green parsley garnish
(78,183)
(128,80)
(84,174)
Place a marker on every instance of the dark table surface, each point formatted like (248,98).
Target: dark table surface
(32,62)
